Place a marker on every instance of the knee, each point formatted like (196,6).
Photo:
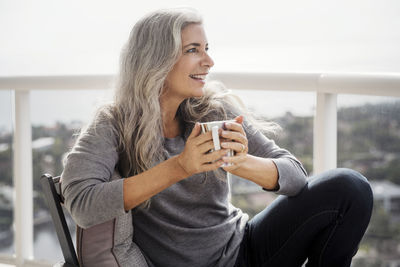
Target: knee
(351,179)
(354,185)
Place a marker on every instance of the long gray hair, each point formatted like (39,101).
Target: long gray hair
(153,48)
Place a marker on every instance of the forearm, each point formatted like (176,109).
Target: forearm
(261,171)
(143,186)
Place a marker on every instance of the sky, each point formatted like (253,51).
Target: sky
(49,37)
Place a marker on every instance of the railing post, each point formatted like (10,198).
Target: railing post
(325,133)
(23,184)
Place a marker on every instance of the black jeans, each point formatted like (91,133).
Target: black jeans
(324,223)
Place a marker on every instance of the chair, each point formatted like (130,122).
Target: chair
(52,190)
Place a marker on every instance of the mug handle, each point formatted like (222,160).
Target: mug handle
(215,137)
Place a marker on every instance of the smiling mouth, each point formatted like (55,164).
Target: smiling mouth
(198,77)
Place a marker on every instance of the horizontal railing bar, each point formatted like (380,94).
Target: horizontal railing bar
(334,83)
(268,81)
(364,84)
(67,82)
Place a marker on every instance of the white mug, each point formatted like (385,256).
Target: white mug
(214,126)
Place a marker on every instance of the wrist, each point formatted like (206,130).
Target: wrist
(178,168)
(246,164)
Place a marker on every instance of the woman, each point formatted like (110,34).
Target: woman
(174,193)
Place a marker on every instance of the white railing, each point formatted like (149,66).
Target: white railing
(326,86)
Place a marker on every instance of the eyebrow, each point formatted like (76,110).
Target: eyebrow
(194,44)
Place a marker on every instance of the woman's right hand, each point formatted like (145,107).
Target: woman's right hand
(194,157)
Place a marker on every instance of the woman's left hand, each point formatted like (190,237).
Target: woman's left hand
(234,138)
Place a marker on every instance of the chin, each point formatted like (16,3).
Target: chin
(198,92)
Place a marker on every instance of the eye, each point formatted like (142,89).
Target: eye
(192,50)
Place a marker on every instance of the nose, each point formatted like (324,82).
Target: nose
(207,60)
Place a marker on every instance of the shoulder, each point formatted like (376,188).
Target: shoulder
(96,142)
(103,125)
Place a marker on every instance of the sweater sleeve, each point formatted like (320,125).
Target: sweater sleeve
(91,188)
(292,175)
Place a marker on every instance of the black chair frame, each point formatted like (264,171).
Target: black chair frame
(52,191)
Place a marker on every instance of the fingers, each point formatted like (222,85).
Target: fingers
(195,131)
(239,119)
(207,146)
(233,162)
(212,161)
(213,166)
(237,147)
(233,126)
(215,155)
(235,136)
(203,138)
(197,154)
(235,132)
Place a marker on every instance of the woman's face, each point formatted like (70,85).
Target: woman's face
(187,77)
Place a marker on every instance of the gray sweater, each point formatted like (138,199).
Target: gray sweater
(191,223)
